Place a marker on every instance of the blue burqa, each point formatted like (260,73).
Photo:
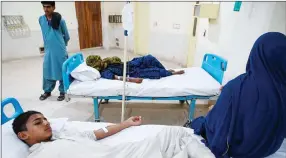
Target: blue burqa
(248,120)
(55,41)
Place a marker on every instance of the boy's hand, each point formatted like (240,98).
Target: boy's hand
(134,121)
(113,129)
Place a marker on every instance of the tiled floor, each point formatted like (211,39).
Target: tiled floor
(22,79)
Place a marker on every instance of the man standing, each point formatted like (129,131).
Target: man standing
(56,37)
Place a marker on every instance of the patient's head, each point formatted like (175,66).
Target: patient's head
(95,61)
(32,127)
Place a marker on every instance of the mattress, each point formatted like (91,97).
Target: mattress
(195,81)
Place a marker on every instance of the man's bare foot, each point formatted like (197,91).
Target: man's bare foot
(172,71)
(178,72)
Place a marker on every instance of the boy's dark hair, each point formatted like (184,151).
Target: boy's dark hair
(19,123)
(52,3)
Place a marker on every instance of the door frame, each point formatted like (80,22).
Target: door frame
(192,39)
(137,30)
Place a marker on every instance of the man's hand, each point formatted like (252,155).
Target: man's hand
(134,121)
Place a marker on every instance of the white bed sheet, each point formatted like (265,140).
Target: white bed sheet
(195,81)
(131,134)
(139,133)
(14,148)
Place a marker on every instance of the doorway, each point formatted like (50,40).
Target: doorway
(89,23)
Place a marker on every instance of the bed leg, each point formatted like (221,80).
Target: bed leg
(67,98)
(96,110)
(105,101)
(192,108)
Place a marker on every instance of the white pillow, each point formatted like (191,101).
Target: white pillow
(85,73)
(12,147)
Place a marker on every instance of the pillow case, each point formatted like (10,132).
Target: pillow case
(12,147)
(85,73)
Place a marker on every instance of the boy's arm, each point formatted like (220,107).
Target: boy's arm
(39,20)
(71,132)
(65,31)
(113,129)
(128,79)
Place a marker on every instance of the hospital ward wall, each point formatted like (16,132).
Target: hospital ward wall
(170,29)
(110,31)
(29,46)
(233,34)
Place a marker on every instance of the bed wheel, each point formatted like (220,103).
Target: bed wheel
(187,124)
(106,101)
(182,101)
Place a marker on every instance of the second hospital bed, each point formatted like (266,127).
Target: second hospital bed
(197,83)
(12,147)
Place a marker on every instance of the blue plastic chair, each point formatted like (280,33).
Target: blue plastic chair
(17,107)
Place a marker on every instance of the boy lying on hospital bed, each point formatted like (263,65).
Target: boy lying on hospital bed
(34,129)
(145,67)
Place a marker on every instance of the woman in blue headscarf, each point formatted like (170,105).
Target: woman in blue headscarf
(249,118)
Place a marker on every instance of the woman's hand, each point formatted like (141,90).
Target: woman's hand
(133,121)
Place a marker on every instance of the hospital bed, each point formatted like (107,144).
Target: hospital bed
(197,83)
(12,147)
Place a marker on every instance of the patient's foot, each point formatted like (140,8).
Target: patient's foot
(135,80)
(171,70)
(45,96)
(178,72)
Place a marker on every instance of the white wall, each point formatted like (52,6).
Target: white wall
(29,46)
(167,42)
(113,31)
(278,21)
(234,33)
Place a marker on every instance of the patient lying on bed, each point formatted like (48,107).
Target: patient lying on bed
(137,69)
(34,129)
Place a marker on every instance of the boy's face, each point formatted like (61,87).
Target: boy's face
(38,130)
(49,9)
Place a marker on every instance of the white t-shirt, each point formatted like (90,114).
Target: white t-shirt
(71,133)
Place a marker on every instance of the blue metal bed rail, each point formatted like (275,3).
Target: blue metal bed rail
(15,104)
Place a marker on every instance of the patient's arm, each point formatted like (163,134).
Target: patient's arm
(129,79)
(109,75)
(113,129)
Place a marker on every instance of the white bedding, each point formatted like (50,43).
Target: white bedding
(195,81)
(139,133)
(132,134)
(12,147)
(167,142)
